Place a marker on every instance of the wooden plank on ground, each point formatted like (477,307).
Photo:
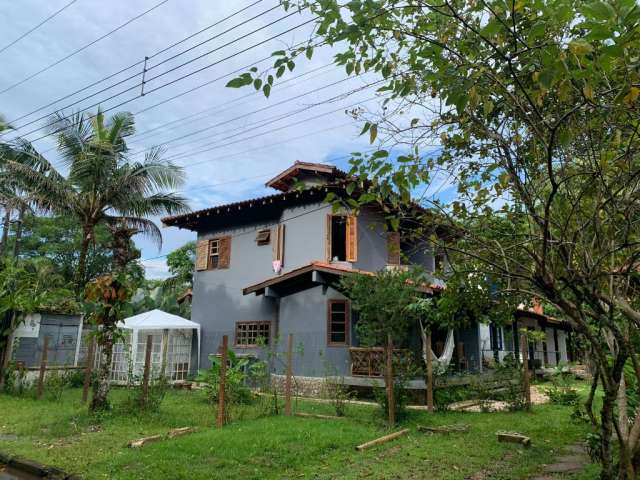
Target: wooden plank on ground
(513,437)
(317,415)
(178,432)
(444,428)
(386,438)
(141,442)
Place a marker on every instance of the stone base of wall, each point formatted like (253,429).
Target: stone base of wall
(301,386)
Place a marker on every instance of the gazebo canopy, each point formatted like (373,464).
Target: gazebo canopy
(157,320)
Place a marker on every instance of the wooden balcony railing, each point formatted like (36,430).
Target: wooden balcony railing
(370,362)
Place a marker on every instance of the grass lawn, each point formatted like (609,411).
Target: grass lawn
(63,435)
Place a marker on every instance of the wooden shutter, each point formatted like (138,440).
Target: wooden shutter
(225,252)
(352,239)
(278,247)
(393,248)
(328,237)
(202,254)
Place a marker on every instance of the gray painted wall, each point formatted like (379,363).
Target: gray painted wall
(218,302)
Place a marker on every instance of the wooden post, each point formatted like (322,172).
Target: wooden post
(223,378)
(391,400)
(165,350)
(287,385)
(147,370)
(88,369)
(524,348)
(43,367)
(429,379)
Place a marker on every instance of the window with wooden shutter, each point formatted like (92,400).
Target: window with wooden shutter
(224,252)
(352,239)
(202,255)
(393,248)
(327,240)
(278,247)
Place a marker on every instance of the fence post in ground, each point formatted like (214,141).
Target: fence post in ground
(165,350)
(222,381)
(287,385)
(391,400)
(147,370)
(429,379)
(524,349)
(43,367)
(88,369)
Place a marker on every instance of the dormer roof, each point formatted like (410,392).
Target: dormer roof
(317,173)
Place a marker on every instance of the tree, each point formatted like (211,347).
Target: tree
(103,186)
(534,107)
(28,286)
(106,304)
(182,264)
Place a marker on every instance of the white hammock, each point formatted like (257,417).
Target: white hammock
(442,362)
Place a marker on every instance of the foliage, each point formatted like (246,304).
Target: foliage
(336,390)
(59,239)
(236,391)
(404,370)
(534,108)
(382,304)
(181,263)
(136,401)
(103,186)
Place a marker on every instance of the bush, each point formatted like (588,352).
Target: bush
(15,382)
(55,382)
(155,395)
(237,373)
(404,370)
(561,391)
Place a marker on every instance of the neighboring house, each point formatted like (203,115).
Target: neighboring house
(270,266)
(63,345)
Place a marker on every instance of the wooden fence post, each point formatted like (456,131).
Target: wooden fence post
(165,350)
(222,381)
(429,379)
(43,367)
(391,400)
(147,370)
(287,385)
(524,348)
(88,369)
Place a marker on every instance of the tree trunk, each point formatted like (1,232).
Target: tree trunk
(18,237)
(6,225)
(606,430)
(8,324)
(81,272)
(100,401)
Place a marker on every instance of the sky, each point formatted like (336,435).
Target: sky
(229,141)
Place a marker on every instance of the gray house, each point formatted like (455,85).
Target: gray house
(270,266)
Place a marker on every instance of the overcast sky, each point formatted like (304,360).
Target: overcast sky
(240,149)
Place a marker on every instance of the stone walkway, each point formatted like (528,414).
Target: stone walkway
(574,461)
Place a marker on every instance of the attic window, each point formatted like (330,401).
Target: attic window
(263,237)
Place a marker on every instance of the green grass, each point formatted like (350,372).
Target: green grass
(62,434)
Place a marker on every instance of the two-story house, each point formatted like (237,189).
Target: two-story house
(270,266)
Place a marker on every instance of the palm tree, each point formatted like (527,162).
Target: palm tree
(103,185)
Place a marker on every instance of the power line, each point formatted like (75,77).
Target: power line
(187,154)
(199,70)
(218,108)
(270,106)
(33,29)
(141,62)
(142,82)
(75,52)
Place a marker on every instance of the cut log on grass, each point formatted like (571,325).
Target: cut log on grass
(444,429)
(177,432)
(381,440)
(512,437)
(141,442)
(317,415)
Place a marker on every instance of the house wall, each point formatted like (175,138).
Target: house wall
(304,315)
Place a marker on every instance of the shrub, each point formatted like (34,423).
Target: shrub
(15,381)
(561,391)
(236,391)
(55,382)
(404,369)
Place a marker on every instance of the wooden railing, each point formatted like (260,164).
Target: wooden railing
(369,362)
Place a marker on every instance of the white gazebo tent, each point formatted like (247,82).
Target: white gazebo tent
(172,337)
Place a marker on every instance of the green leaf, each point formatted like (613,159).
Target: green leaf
(280,71)
(257,83)
(291,65)
(366,128)
(580,47)
(309,52)
(350,188)
(236,83)
(266,90)
(598,11)
(380,154)
(279,53)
